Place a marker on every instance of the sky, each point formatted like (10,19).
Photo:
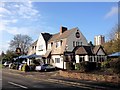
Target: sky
(32,18)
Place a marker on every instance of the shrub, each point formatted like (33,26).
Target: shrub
(13,66)
(98,66)
(25,67)
(70,66)
(77,66)
(87,66)
(106,64)
(115,65)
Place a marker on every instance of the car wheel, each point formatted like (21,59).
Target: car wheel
(45,70)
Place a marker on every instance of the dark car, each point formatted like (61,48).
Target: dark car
(45,67)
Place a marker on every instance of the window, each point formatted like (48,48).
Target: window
(78,44)
(51,44)
(82,59)
(73,43)
(90,58)
(57,44)
(32,47)
(61,42)
(40,48)
(57,60)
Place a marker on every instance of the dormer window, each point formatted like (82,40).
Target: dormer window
(57,44)
(61,42)
(73,43)
(32,47)
(51,44)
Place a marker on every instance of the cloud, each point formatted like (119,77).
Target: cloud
(4,11)
(4,46)
(11,13)
(112,12)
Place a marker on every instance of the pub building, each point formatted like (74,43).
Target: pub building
(68,46)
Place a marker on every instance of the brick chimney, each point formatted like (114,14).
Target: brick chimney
(62,29)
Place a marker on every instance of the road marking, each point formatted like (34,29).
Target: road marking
(18,85)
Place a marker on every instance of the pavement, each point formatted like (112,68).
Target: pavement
(54,77)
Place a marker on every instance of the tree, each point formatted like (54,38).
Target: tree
(2,55)
(113,43)
(21,41)
(9,55)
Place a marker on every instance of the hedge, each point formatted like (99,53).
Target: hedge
(87,66)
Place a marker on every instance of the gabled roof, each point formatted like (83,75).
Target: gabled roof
(59,36)
(83,50)
(96,49)
(87,50)
(46,36)
(34,43)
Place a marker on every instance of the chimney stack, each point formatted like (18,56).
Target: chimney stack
(62,29)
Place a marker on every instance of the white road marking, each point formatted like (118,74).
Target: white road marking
(18,85)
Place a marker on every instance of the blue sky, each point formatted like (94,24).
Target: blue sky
(31,18)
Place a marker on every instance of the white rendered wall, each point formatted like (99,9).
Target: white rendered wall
(40,42)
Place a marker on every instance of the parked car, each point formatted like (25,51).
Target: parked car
(45,67)
(6,64)
(10,65)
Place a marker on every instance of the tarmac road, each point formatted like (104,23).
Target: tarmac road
(16,81)
(12,79)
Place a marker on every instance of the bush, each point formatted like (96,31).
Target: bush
(25,67)
(98,66)
(77,66)
(106,64)
(87,66)
(115,65)
(13,66)
(70,66)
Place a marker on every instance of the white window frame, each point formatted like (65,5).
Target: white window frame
(57,60)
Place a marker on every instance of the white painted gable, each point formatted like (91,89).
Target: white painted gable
(100,52)
(41,46)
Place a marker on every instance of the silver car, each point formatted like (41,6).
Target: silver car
(45,67)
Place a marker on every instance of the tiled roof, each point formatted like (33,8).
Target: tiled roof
(87,50)
(46,36)
(34,43)
(59,36)
(96,48)
(83,50)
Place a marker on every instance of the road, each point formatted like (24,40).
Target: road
(40,80)
(15,81)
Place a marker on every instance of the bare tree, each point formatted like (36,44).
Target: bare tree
(113,44)
(20,41)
